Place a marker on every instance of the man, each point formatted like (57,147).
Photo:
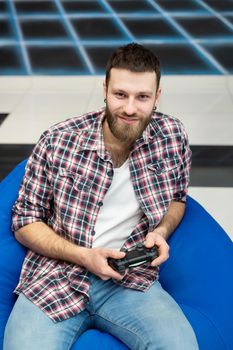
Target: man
(95,186)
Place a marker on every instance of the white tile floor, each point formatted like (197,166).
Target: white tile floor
(204,104)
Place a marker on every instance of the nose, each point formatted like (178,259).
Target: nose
(130,107)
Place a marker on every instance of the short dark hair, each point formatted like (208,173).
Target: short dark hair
(136,58)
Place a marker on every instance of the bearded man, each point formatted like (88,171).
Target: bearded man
(95,186)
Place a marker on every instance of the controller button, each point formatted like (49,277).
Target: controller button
(140,246)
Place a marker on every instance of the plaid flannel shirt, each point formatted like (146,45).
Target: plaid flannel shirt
(66,179)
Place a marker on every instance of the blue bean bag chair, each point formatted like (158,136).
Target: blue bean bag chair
(198,274)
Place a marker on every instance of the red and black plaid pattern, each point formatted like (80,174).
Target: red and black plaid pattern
(66,179)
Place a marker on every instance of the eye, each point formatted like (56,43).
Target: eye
(119,94)
(143,97)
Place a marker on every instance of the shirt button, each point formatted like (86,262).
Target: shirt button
(100,204)
(93,232)
(110,173)
(158,169)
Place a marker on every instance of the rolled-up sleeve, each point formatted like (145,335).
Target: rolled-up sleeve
(184,171)
(33,203)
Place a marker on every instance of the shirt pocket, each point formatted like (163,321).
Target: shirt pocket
(164,175)
(72,193)
(73,181)
(165,165)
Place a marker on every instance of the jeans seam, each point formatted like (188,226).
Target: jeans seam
(76,336)
(72,341)
(125,328)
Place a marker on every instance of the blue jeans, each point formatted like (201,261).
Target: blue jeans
(150,320)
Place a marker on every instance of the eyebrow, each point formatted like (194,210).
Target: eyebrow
(137,93)
(145,93)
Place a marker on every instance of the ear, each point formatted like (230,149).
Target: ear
(104,89)
(157,96)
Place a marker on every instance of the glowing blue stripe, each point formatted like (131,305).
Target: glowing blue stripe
(193,15)
(8,42)
(214,41)
(68,15)
(111,42)
(143,15)
(114,42)
(49,43)
(216,14)
(115,16)
(121,25)
(66,43)
(15,20)
(76,40)
(33,16)
(227,13)
(110,15)
(3,16)
(207,56)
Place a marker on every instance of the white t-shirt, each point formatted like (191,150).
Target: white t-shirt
(120,212)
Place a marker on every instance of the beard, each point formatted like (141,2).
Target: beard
(123,132)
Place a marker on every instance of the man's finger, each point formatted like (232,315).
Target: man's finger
(149,242)
(115,254)
(114,274)
(161,258)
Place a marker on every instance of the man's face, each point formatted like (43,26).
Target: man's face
(131,97)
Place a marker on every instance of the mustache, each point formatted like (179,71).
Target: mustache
(125,115)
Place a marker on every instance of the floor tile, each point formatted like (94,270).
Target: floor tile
(217,5)
(63,84)
(219,52)
(102,28)
(141,28)
(67,60)
(3,117)
(42,29)
(194,84)
(173,6)
(9,101)
(14,84)
(46,7)
(131,6)
(10,62)
(83,6)
(205,27)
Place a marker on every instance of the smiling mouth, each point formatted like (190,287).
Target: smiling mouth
(128,120)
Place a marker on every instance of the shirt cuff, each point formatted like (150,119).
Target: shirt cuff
(21,221)
(180,197)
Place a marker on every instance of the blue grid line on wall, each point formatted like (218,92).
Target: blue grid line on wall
(62,37)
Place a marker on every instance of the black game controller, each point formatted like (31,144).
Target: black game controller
(134,258)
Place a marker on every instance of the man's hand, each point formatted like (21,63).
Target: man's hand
(155,238)
(40,238)
(162,232)
(95,260)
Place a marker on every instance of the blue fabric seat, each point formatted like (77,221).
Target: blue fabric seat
(198,274)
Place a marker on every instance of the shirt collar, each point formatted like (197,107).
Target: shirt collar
(93,138)
(152,130)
